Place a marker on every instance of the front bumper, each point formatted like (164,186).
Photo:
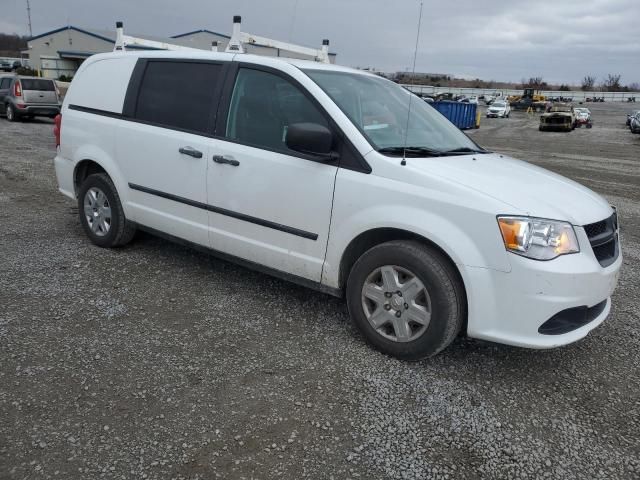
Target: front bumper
(511,307)
(555,126)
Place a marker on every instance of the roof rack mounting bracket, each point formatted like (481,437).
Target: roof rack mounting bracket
(240,38)
(123,41)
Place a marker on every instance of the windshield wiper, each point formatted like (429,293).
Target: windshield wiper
(462,151)
(410,151)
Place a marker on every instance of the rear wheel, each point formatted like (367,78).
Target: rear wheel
(11,113)
(101,213)
(406,299)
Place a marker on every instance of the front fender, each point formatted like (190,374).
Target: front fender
(464,230)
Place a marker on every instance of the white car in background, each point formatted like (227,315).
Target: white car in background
(499,109)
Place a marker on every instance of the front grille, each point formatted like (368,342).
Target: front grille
(603,237)
(557,120)
(595,228)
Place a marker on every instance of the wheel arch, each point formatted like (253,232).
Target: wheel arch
(376,236)
(83,169)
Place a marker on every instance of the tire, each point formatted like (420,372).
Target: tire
(11,113)
(441,297)
(115,232)
(541,128)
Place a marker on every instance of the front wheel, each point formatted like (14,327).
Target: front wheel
(101,213)
(406,299)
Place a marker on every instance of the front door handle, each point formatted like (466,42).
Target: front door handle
(192,152)
(225,160)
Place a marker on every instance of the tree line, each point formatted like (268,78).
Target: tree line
(11,44)
(610,83)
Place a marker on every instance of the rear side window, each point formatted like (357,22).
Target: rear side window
(36,84)
(178,94)
(4,83)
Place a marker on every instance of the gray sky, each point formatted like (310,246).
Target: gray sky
(560,40)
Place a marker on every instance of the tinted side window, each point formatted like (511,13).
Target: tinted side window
(178,94)
(4,84)
(39,85)
(262,107)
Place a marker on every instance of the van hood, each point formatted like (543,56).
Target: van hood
(525,189)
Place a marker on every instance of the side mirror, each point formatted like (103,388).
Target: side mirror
(310,138)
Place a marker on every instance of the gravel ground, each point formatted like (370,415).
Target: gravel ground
(156,361)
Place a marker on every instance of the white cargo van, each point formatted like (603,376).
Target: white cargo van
(320,175)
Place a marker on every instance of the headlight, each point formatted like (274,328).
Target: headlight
(538,238)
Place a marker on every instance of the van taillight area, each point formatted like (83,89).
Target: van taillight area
(57,128)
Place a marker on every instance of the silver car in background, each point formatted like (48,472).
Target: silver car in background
(28,97)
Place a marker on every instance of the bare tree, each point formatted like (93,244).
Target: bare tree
(612,83)
(534,82)
(634,87)
(588,83)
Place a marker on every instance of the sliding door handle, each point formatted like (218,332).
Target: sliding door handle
(225,160)
(192,152)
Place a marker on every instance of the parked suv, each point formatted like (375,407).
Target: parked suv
(28,97)
(342,181)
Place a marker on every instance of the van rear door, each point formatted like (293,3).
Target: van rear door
(38,90)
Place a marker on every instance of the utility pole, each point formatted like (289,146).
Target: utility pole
(29,19)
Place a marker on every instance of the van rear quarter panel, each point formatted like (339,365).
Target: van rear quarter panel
(101,84)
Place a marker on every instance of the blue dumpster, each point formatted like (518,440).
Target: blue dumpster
(462,115)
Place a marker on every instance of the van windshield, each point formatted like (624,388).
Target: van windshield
(379,109)
(36,84)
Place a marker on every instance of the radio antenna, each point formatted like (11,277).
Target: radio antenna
(29,19)
(413,74)
(293,19)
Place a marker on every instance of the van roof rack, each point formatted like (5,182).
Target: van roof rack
(235,45)
(238,38)
(123,41)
